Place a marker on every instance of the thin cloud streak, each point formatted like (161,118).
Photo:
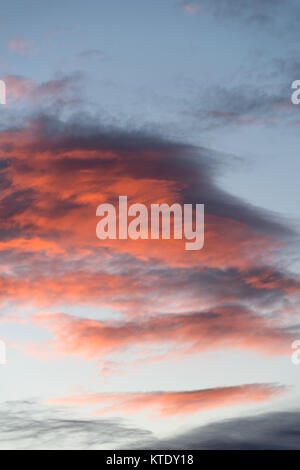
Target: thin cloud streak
(167,404)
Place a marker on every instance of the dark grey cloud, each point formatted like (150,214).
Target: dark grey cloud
(258,93)
(262,13)
(273,431)
(30,425)
(243,105)
(91,53)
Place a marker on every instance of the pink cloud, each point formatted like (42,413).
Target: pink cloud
(20,88)
(231,327)
(191,9)
(21,46)
(169,404)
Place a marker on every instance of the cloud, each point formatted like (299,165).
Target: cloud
(243,105)
(191,9)
(91,156)
(231,327)
(272,431)
(231,294)
(32,426)
(261,13)
(22,46)
(259,94)
(129,285)
(91,53)
(27,425)
(20,88)
(168,404)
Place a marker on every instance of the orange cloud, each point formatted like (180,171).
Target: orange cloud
(268,278)
(191,9)
(65,185)
(222,328)
(168,404)
(56,173)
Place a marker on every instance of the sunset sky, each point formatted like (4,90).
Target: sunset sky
(128,344)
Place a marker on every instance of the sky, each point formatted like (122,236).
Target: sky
(130,344)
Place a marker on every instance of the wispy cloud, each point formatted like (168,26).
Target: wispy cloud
(230,327)
(22,46)
(191,9)
(91,53)
(260,13)
(28,425)
(20,88)
(168,404)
